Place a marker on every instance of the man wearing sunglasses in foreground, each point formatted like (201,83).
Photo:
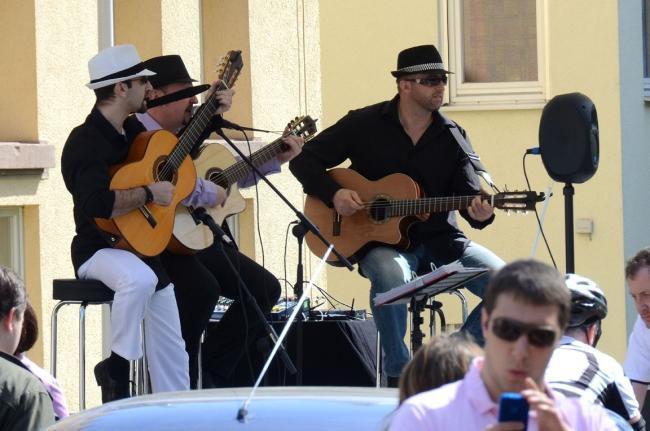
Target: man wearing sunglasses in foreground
(405,135)
(526,308)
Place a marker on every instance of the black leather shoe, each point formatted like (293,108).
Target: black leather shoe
(112,389)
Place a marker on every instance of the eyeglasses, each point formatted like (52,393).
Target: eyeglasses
(429,82)
(511,330)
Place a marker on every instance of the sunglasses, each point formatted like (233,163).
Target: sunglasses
(511,330)
(429,82)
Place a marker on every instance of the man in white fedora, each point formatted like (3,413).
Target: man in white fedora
(143,291)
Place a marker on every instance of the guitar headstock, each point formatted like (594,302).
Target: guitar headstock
(229,68)
(304,126)
(517,201)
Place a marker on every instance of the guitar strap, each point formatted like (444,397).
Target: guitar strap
(466,146)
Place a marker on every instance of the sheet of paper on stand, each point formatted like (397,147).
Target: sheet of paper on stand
(442,279)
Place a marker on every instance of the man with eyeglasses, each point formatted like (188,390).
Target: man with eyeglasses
(526,308)
(405,135)
(143,291)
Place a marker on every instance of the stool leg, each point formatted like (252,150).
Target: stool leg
(378,362)
(53,336)
(82,356)
(463,302)
(199,380)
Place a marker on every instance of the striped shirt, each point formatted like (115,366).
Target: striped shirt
(579,370)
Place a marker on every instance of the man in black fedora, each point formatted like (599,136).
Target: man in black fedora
(200,279)
(404,135)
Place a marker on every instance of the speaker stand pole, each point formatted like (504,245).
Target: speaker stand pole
(568,226)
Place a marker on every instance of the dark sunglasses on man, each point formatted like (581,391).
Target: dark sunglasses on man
(511,330)
(429,81)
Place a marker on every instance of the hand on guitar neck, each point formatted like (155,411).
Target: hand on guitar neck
(480,209)
(223,95)
(347,202)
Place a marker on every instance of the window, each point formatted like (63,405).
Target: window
(496,51)
(11,239)
(646,48)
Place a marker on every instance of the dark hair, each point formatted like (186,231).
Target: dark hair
(105,94)
(30,330)
(532,282)
(442,360)
(12,291)
(637,262)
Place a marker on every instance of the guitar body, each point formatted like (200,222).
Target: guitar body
(191,235)
(361,231)
(148,234)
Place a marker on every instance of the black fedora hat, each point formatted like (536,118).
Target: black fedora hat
(419,59)
(170,69)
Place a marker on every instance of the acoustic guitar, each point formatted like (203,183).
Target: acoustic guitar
(161,156)
(216,163)
(391,205)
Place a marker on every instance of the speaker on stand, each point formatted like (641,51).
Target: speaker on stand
(568,143)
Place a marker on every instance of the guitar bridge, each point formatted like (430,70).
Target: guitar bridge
(148,216)
(336,226)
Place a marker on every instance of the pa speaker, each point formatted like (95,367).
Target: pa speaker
(568,138)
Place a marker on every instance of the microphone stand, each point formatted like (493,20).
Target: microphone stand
(303,219)
(307,226)
(220,237)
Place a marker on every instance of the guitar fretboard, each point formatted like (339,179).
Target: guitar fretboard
(396,208)
(241,169)
(191,135)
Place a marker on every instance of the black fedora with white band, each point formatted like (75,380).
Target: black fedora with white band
(115,64)
(170,69)
(419,59)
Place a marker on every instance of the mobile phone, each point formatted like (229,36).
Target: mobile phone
(513,407)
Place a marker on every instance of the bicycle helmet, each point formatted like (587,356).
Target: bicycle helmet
(588,302)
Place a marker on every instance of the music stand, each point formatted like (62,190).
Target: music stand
(418,290)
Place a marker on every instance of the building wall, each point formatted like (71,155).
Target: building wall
(634,135)
(321,58)
(354,77)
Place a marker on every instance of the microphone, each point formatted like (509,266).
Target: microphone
(219,122)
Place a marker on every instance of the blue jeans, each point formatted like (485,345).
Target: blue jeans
(387,268)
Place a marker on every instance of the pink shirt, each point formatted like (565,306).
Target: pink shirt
(467,405)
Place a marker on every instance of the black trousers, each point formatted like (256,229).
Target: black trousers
(199,280)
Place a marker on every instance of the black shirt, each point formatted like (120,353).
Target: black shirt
(91,149)
(376,144)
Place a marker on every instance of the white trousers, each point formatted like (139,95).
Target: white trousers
(136,300)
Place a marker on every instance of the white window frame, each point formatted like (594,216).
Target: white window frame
(504,95)
(16,239)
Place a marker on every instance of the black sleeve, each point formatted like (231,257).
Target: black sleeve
(86,175)
(330,148)
(466,182)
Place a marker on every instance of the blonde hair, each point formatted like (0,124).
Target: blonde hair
(442,360)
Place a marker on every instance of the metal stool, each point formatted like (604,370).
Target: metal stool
(434,309)
(83,293)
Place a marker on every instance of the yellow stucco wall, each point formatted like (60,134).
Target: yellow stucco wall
(353,77)
(321,58)
(18,69)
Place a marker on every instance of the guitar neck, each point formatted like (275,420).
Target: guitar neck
(241,169)
(407,207)
(194,130)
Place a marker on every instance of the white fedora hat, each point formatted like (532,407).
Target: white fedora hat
(115,64)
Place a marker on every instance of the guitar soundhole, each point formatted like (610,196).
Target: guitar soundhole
(216,176)
(162,171)
(378,210)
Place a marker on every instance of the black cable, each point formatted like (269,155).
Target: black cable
(257,200)
(539,223)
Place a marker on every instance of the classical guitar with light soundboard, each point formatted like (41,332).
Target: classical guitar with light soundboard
(161,156)
(391,205)
(217,164)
